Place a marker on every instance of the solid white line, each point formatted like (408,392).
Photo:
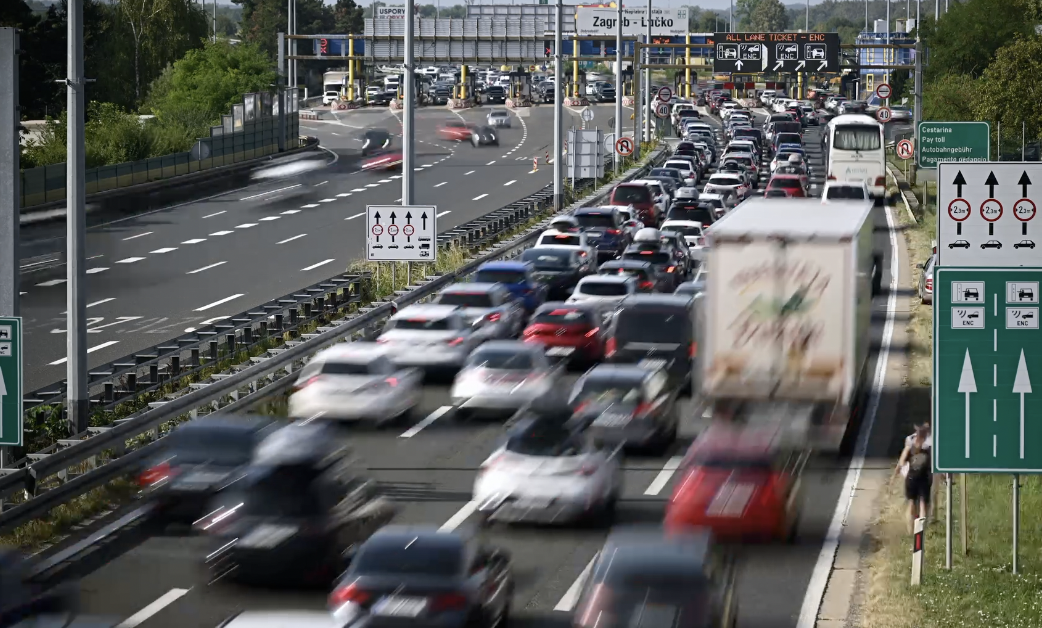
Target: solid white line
(144,614)
(246,225)
(52,282)
(290,212)
(221,233)
(478,198)
(224,211)
(199,270)
(140,235)
(571,596)
(819,578)
(91,350)
(92,271)
(662,479)
(129,260)
(441,184)
(510,183)
(270,218)
(314,266)
(447,211)
(471,172)
(270,192)
(491,162)
(355,216)
(296,237)
(309,206)
(431,418)
(194,241)
(457,519)
(398,200)
(163,250)
(216,303)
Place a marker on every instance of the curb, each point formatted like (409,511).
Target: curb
(911,204)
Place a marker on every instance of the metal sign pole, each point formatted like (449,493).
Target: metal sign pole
(1016,521)
(948,521)
(409,111)
(558,104)
(618,84)
(10,175)
(75,189)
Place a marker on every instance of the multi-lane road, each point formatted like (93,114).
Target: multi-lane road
(428,468)
(153,276)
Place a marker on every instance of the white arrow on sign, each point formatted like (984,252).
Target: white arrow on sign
(822,65)
(3,393)
(779,64)
(1022,386)
(967,385)
(738,64)
(799,66)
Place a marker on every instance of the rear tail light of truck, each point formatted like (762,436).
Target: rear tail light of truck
(880,181)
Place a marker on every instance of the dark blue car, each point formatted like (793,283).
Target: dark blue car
(517,277)
(603,227)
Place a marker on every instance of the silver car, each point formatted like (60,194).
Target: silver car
(489,307)
(431,337)
(499,119)
(503,376)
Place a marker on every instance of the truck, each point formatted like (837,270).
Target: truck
(784,327)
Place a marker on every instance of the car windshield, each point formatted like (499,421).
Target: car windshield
(561,316)
(466,299)
(344,368)
(501,359)
(665,172)
(785,183)
(547,260)
(603,288)
(651,325)
(421,324)
(500,276)
(726,181)
(844,192)
(654,257)
(544,441)
(684,230)
(560,239)
(498,114)
(856,137)
(626,194)
(596,221)
(416,558)
(212,446)
(603,392)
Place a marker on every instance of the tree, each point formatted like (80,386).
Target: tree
(138,15)
(966,40)
(263,20)
(743,12)
(1009,90)
(950,97)
(347,17)
(768,16)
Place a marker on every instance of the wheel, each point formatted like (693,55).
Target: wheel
(474,140)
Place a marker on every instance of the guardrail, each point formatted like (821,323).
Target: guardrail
(79,464)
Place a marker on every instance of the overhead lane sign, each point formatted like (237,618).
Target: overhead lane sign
(605,21)
(953,141)
(11,381)
(776,52)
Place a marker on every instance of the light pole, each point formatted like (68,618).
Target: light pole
(75,235)
(558,96)
(647,80)
(409,109)
(618,80)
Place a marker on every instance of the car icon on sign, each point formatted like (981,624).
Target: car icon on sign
(991,244)
(1024,244)
(959,244)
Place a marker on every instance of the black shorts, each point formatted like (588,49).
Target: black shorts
(918,488)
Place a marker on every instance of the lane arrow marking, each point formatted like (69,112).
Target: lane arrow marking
(376,216)
(1024,182)
(958,183)
(991,183)
(968,386)
(1022,386)
(738,64)
(408,218)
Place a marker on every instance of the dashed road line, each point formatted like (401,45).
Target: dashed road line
(290,212)
(296,237)
(216,303)
(140,235)
(90,350)
(194,241)
(343,195)
(478,198)
(163,250)
(268,192)
(94,271)
(246,225)
(199,270)
(471,172)
(221,233)
(324,182)
(440,214)
(314,266)
(358,190)
(52,282)
(223,211)
(327,200)
(510,183)
(441,184)
(270,218)
(129,260)
(355,216)
(491,162)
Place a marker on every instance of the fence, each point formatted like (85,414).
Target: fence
(251,130)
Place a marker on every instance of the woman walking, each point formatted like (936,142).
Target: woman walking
(915,466)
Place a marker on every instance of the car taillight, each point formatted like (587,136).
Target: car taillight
(832,178)
(156,474)
(310,381)
(880,180)
(587,469)
(529,332)
(493,317)
(642,408)
(929,284)
(609,348)
(455,341)
(349,594)
(593,332)
(647,285)
(671,269)
(449,602)
(692,350)
(613,231)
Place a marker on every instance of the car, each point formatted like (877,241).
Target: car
(330,97)
(557,269)
(567,331)
(660,257)
(603,226)
(547,473)
(991,244)
(484,136)
(648,278)
(661,192)
(740,481)
(672,174)
(681,251)
(793,184)
(654,331)
(580,241)
(490,308)
(431,337)
(355,381)
(1024,244)
(496,94)
(456,130)
(626,404)
(30,601)
(694,287)
(721,202)
(689,174)
(701,211)
(498,118)
(926,280)
(845,191)
(675,580)
(721,183)
(384,160)
(959,244)
(502,376)
(294,514)
(690,230)
(566,223)
(375,140)
(517,277)
(194,462)
(603,291)
(640,197)
(784,156)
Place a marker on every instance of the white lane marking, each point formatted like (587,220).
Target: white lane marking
(296,237)
(398,200)
(90,305)
(819,578)
(431,418)
(216,303)
(471,172)
(140,235)
(221,233)
(418,169)
(478,198)
(457,519)
(355,216)
(663,477)
(327,200)
(441,184)
(358,190)
(309,206)
(95,256)
(91,350)
(270,218)
(199,270)
(290,212)
(314,266)
(223,211)
(52,282)
(491,162)
(386,180)
(270,192)
(324,182)
(372,185)
(163,250)
(571,596)
(129,260)
(343,194)
(94,271)
(194,241)
(146,613)
(119,321)
(246,225)
(397,176)
(510,183)
(427,166)
(447,211)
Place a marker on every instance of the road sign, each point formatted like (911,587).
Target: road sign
(883,90)
(624,146)
(609,142)
(605,21)
(986,419)
(752,53)
(665,93)
(662,110)
(11,381)
(401,233)
(989,222)
(953,141)
(587,114)
(905,150)
(884,114)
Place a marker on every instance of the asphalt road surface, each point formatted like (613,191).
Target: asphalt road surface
(428,467)
(154,276)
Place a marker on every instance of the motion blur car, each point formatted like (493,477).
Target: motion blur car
(295,514)
(517,277)
(577,241)
(408,576)
(640,197)
(654,331)
(29,604)
(675,580)
(498,118)
(547,473)
(689,173)
(648,279)
(565,223)
(568,331)
(502,376)
(355,381)
(660,257)
(926,280)
(557,268)
(793,184)
(740,482)
(196,461)
(484,136)
(626,404)
(487,306)
(692,288)
(383,160)
(603,292)
(431,337)
(270,619)
(456,130)
(603,226)
(374,140)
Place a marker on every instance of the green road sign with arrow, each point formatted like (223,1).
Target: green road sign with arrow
(11,381)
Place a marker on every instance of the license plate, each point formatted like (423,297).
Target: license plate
(612,419)
(397,606)
(652,364)
(267,536)
(560,351)
(534,502)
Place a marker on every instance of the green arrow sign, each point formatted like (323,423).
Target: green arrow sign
(11,381)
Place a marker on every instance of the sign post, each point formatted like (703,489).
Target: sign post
(953,141)
(401,233)
(11,381)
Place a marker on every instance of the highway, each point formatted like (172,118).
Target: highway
(428,467)
(152,277)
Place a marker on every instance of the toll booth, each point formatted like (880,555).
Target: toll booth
(520,88)
(466,86)
(626,89)
(360,85)
(578,87)
(418,89)
(680,82)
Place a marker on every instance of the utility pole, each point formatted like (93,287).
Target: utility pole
(558,104)
(75,262)
(215,21)
(730,17)
(618,80)
(10,174)
(866,17)
(409,111)
(647,81)
(888,54)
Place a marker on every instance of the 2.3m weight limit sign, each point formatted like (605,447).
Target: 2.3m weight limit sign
(401,233)
(11,381)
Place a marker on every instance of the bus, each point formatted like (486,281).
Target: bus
(856,152)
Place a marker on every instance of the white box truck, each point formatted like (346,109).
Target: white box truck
(785,327)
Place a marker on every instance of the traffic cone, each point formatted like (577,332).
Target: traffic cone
(535,164)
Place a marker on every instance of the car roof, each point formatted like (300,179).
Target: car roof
(681,223)
(428,535)
(556,232)
(471,288)
(504,265)
(582,211)
(626,263)
(606,279)
(617,372)
(549,306)
(425,310)
(509,345)
(355,352)
(679,557)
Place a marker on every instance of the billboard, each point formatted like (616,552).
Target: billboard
(598,21)
(391,12)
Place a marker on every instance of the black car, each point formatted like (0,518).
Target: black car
(603,227)
(681,580)
(655,331)
(557,268)
(197,460)
(296,513)
(440,93)
(418,576)
(25,603)
(384,98)
(374,141)
(681,251)
(648,278)
(659,256)
(626,404)
(484,136)
(495,94)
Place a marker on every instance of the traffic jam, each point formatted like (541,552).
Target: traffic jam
(706,313)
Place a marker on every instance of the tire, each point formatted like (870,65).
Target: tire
(475,142)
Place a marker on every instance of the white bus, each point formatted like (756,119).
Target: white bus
(856,152)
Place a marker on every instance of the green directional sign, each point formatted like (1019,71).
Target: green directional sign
(11,381)
(953,141)
(987,351)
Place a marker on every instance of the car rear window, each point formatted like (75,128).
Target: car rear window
(603,392)
(421,324)
(652,324)
(696,214)
(561,239)
(344,368)
(785,183)
(627,194)
(725,181)
(679,165)
(845,192)
(283,492)
(466,299)
(500,276)
(544,441)
(222,447)
(562,316)
(596,221)
(504,359)
(547,260)
(603,288)
(684,230)
(417,558)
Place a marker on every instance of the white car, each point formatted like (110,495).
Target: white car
(767,96)
(835,191)
(782,158)
(734,183)
(722,203)
(568,239)
(690,229)
(546,473)
(330,97)
(603,292)
(686,168)
(355,381)
(430,337)
(488,306)
(503,376)
(499,119)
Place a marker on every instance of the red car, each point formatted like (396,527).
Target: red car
(792,183)
(567,330)
(457,130)
(740,482)
(640,197)
(390,160)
